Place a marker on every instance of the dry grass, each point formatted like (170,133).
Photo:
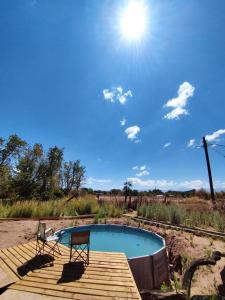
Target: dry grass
(57,208)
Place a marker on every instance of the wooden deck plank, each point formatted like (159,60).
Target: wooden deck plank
(21,295)
(57,294)
(9,263)
(8,271)
(85,277)
(107,276)
(105,285)
(76,290)
(90,270)
(103,256)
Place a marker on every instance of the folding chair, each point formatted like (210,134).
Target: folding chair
(43,240)
(80,243)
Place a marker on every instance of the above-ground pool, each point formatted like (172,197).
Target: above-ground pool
(134,242)
(145,251)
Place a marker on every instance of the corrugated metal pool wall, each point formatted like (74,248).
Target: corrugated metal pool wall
(150,271)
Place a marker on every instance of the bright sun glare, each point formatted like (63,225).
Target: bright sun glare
(133,20)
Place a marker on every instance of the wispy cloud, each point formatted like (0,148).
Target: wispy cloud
(137,141)
(135,168)
(165,184)
(193,184)
(151,183)
(191,143)
(132,132)
(141,171)
(215,135)
(178,104)
(123,122)
(117,94)
(167,145)
(142,168)
(91,181)
(108,96)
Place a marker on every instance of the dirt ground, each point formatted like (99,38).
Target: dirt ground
(207,280)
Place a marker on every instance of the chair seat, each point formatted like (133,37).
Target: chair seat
(52,238)
(79,246)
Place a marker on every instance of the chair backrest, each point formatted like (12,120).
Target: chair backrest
(41,231)
(79,238)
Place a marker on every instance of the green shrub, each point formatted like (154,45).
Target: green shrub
(177,215)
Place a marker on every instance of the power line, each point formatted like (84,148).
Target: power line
(218,145)
(218,152)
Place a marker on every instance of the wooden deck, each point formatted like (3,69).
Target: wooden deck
(107,276)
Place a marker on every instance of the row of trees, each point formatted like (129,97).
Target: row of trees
(127,190)
(28,172)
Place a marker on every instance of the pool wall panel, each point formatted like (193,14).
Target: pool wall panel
(150,271)
(141,268)
(160,268)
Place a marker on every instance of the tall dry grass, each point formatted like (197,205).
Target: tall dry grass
(57,208)
(177,215)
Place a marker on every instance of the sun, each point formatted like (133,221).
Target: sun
(133,20)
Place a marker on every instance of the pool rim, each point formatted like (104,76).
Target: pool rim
(123,226)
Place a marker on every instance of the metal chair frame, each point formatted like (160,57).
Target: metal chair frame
(43,242)
(80,243)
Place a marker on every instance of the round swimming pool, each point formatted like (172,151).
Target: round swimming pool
(134,242)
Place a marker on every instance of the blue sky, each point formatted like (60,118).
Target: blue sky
(68,77)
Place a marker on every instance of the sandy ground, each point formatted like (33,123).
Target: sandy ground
(206,281)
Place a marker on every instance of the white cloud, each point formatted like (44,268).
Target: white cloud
(137,141)
(215,135)
(117,94)
(193,184)
(91,181)
(175,113)
(143,173)
(178,104)
(132,132)
(142,168)
(109,96)
(123,122)
(170,184)
(218,184)
(135,168)
(191,143)
(151,184)
(167,145)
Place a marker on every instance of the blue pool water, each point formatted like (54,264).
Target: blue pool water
(133,242)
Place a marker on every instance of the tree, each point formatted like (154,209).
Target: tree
(79,177)
(5,181)
(69,176)
(127,190)
(11,148)
(54,164)
(25,181)
(27,172)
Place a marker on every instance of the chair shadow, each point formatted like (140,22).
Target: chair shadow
(72,271)
(37,262)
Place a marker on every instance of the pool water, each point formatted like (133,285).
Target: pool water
(133,242)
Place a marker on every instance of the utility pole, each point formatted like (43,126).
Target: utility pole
(209,172)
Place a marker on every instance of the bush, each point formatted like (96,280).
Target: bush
(177,215)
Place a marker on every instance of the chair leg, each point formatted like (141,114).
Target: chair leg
(70,252)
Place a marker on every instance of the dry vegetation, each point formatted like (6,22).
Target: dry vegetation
(109,209)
